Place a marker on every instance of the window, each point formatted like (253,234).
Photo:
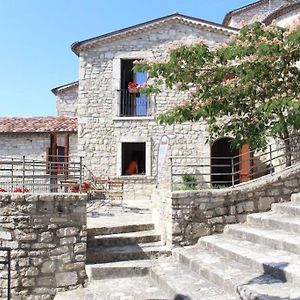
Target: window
(133,104)
(133,152)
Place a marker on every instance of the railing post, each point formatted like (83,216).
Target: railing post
(171,161)
(232,171)
(23,174)
(8,272)
(33,172)
(12,175)
(80,174)
(271,157)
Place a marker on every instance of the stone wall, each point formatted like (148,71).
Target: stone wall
(287,19)
(184,216)
(32,145)
(66,101)
(47,235)
(255,13)
(102,131)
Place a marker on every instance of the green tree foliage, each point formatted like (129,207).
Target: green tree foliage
(248,88)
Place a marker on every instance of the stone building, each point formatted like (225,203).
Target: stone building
(116,125)
(38,137)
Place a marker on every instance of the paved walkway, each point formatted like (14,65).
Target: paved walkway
(102,214)
(134,288)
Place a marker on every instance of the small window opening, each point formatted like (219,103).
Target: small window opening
(133,158)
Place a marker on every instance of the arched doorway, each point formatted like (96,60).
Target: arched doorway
(224,160)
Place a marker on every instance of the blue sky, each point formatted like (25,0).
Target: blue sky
(36,35)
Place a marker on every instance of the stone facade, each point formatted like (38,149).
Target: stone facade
(47,235)
(183,217)
(254,13)
(66,100)
(101,129)
(287,19)
(32,145)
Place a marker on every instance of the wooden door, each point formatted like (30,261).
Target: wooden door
(245,163)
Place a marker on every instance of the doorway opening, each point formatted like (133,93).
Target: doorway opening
(134,151)
(224,163)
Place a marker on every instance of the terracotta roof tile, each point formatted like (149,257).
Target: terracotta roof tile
(38,124)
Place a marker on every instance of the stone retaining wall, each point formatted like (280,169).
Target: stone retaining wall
(47,235)
(184,216)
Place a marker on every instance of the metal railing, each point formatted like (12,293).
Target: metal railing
(193,172)
(5,271)
(134,104)
(55,174)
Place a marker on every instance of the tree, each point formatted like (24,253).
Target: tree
(248,88)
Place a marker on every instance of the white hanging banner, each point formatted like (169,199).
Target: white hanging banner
(161,156)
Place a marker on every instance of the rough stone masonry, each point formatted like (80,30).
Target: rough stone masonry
(47,235)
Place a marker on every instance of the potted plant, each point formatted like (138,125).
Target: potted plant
(133,88)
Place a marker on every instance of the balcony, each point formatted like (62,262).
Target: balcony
(134,105)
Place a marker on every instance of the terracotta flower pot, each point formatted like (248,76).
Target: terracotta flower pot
(133,90)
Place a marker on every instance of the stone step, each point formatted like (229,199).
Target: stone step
(295,197)
(275,239)
(130,288)
(275,221)
(126,238)
(118,229)
(126,252)
(233,277)
(290,208)
(118,269)
(278,263)
(178,282)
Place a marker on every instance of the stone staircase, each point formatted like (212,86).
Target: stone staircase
(256,260)
(124,243)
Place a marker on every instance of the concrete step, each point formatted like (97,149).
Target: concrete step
(96,231)
(290,208)
(275,221)
(126,252)
(275,239)
(118,269)
(278,263)
(126,238)
(232,276)
(178,282)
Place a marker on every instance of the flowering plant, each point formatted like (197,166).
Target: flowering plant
(20,190)
(133,87)
(84,187)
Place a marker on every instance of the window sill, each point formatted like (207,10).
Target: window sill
(136,177)
(150,118)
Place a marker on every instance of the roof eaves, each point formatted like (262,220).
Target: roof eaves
(230,14)
(285,9)
(65,86)
(76,45)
